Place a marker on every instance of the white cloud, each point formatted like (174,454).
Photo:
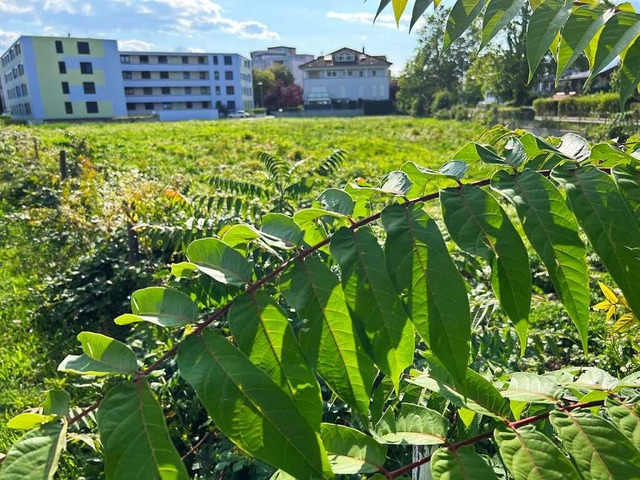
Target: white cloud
(60,6)
(7,7)
(385,21)
(87,9)
(200,15)
(135,46)
(7,38)
(194,50)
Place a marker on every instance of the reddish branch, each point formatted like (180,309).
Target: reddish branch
(487,435)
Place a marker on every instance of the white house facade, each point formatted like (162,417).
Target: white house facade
(286,56)
(345,75)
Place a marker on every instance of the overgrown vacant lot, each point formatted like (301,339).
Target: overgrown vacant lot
(51,234)
(376,145)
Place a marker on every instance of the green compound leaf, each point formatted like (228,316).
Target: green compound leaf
(532,388)
(609,223)
(419,264)
(337,201)
(598,449)
(134,435)
(463,13)
(629,71)
(219,261)
(373,302)
(419,7)
(581,27)
(606,154)
(616,35)
(414,425)
(310,222)
(546,21)
(28,421)
(249,408)
(627,178)
(329,337)
(480,227)
(102,356)
(160,306)
(626,417)
(264,334)
(56,403)
(476,393)
(351,451)
(36,455)
(474,152)
(282,227)
(552,230)
(497,16)
(530,455)
(461,464)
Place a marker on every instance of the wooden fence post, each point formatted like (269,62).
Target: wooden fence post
(36,153)
(64,172)
(134,244)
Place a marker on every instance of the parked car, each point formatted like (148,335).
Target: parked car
(238,114)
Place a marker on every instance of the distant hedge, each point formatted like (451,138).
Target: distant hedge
(596,105)
(378,107)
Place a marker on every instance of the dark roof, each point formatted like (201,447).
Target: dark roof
(362,59)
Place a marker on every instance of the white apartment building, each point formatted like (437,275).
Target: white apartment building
(286,56)
(181,86)
(66,78)
(345,75)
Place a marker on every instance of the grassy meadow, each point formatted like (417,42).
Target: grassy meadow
(48,228)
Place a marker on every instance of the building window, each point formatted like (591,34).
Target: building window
(127,75)
(92,107)
(206,105)
(215,60)
(362,73)
(189,105)
(65,88)
(148,106)
(216,75)
(68,107)
(162,59)
(228,75)
(186,75)
(147,91)
(231,90)
(59,48)
(166,91)
(228,60)
(18,49)
(164,75)
(144,58)
(27,108)
(131,106)
(202,60)
(62,67)
(129,91)
(203,75)
(21,69)
(89,88)
(313,75)
(83,48)
(125,59)
(205,91)
(231,105)
(167,106)
(185,60)
(25,92)
(145,75)
(187,90)
(374,73)
(217,89)
(86,68)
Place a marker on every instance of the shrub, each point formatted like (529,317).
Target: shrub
(441,101)
(545,107)
(596,105)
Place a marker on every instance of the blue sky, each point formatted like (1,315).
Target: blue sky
(240,26)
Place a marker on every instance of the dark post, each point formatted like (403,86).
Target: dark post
(36,153)
(64,172)
(134,244)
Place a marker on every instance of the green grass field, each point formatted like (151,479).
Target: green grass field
(168,155)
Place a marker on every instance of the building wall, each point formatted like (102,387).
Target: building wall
(346,83)
(18,81)
(189,82)
(287,56)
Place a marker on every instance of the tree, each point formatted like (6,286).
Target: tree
(432,69)
(263,80)
(275,88)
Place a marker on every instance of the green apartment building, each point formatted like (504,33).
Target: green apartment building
(60,78)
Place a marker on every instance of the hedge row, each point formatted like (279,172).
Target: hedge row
(597,105)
